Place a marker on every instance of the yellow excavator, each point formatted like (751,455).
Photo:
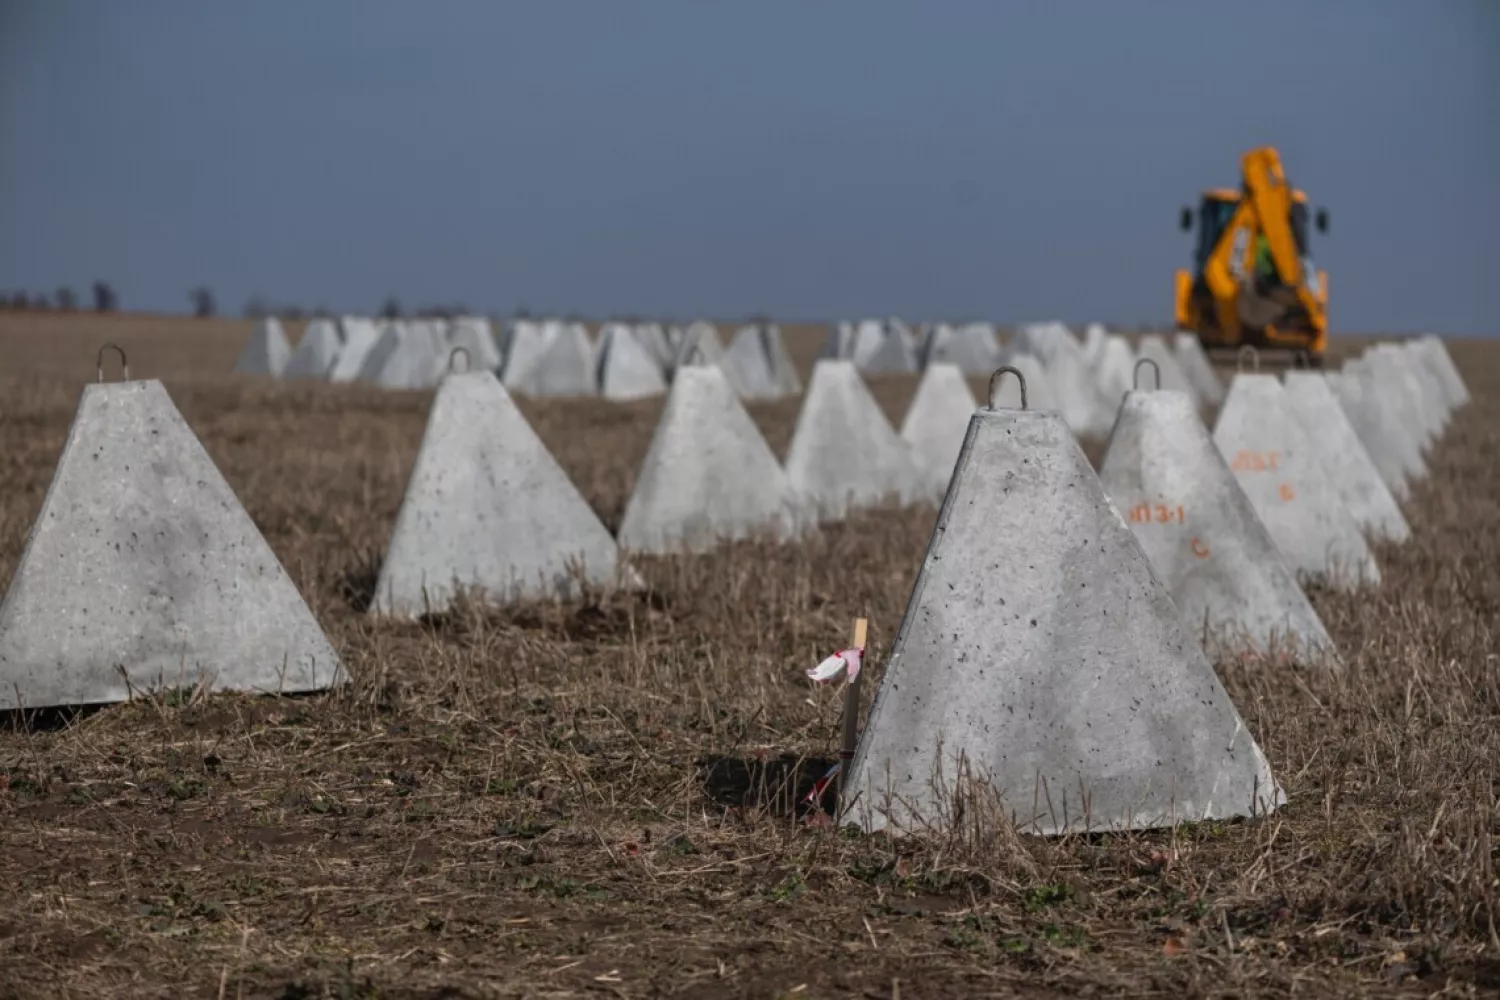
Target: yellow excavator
(1253,280)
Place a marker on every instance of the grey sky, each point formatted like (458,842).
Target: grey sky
(808,159)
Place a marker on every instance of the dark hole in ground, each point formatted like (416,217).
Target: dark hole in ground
(777,784)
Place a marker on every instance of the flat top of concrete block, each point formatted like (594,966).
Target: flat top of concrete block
(143,559)
(1039,645)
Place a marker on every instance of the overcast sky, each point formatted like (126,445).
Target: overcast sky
(676,157)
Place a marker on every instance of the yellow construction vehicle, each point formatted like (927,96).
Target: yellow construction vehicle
(1253,280)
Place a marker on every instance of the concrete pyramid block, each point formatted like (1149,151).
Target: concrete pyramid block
(701,346)
(1374,424)
(360,336)
(488,508)
(709,476)
(1343,457)
(563,367)
(892,353)
(316,352)
(1043,340)
(1201,533)
(759,355)
(624,366)
(1074,394)
(1039,647)
(1173,378)
(1442,362)
(474,335)
(267,351)
(403,358)
(936,422)
(524,343)
(844,453)
(143,560)
(972,348)
(1382,389)
(1432,385)
(838,345)
(1193,361)
(1281,473)
(1426,411)
(653,337)
(1094,336)
(1113,372)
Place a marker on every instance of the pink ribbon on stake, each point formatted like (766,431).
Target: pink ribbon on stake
(844,663)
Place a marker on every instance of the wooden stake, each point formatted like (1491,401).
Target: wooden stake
(851,709)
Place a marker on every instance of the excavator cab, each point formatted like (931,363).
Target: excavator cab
(1253,279)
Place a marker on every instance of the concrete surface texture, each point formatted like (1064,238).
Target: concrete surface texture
(1382,391)
(935,423)
(143,560)
(759,356)
(1039,648)
(1073,391)
(709,476)
(624,366)
(488,508)
(1374,425)
(1202,536)
(266,352)
(844,453)
(1343,457)
(1276,466)
(1193,360)
(316,351)
(1439,358)
(563,367)
(360,335)
(474,335)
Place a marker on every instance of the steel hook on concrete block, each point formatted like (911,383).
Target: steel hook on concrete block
(1135,377)
(1239,361)
(124,363)
(468,360)
(995,383)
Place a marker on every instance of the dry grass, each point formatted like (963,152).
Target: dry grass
(591,799)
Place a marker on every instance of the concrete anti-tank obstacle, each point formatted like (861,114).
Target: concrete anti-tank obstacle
(1343,457)
(709,477)
(1039,647)
(267,351)
(787,379)
(653,337)
(316,352)
(143,572)
(624,366)
(1433,391)
(1039,392)
(563,367)
(1375,425)
(1389,359)
(1381,390)
(1202,536)
(359,336)
(760,358)
(972,348)
(1264,444)
(894,353)
(844,453)
(488,509)
(1442,362)
(474,335)
(1207,385)
(403,358)
(1112,372)
(523,344)
(935,423)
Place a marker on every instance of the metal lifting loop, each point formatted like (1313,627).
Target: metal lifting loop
(1239,361)
(995,382)
(124,364)
(1135,378)
(454,354)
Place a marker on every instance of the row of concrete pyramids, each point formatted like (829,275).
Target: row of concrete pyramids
(1048,648)
(536,358)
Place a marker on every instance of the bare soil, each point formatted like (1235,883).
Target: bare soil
(597,799)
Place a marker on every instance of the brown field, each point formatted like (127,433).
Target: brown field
(591,799)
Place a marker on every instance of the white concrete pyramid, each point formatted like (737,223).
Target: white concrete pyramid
(1094,336)
(488,508)
(360,336)
(1202,535)
(563,367)
(1072,390)
(972,348)
(1113,373)
(1343,457)
(936,421)
(523,343)
(760,358)
(893,353)
(316,352)
(701,346)
(474,335)
(1260,438)
(1375,426)
(1426,411)
(709,476)
(1039,648)
(1380,390)
(267,351)
(625,367)
(1442,362)
(403,358)
(1192,359)
(653,337)
(143,561)
(844,453)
